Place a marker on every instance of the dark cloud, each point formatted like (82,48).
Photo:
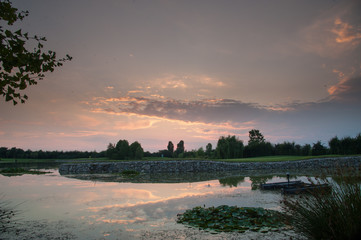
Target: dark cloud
(208,110)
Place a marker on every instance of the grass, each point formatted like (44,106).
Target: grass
(20,171)
(329,215)
(275,158)
(253,159)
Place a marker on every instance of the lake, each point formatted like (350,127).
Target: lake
(112,207)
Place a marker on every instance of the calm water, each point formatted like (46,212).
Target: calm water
(104,208)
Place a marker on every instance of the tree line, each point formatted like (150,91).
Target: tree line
(227,147)
(232,147)
(29,154)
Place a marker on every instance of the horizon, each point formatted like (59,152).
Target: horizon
(167,70)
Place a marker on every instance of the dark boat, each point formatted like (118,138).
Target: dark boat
(294,187)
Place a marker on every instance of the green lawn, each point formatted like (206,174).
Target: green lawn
(254,159)
(276,158)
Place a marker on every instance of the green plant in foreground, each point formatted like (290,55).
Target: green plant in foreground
(328,215)
(231,218)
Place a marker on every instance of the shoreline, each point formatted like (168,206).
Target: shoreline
(189,166)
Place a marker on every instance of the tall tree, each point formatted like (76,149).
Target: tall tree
(229,147)
(136,150)
(20,67)
(122,149)
(170,147)
(209,150)
(180,147)
(255,136)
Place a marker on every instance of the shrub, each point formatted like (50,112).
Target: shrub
(328,215)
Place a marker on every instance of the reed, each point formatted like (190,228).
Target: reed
(331,214)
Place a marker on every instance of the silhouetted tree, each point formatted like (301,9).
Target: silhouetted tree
(229,147)
(255,136)
(180,148)
(21,67)
(170,147)
(306,150)
(318,149)
(209,150)
(136,150)
(335,145)
(122,149)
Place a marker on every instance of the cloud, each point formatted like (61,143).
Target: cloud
(335,32)
(345,33)
(206,111)
(348,89)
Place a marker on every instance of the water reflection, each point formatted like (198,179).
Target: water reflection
(121,208)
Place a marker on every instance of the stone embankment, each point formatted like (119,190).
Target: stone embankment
(183,166)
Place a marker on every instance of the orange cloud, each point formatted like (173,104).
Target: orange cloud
(345,33)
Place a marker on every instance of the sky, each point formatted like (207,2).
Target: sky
(171,70)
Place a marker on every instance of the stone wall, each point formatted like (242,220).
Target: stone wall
(182,166)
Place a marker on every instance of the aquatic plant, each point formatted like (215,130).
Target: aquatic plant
(130,173)
(231,218)
(331,214)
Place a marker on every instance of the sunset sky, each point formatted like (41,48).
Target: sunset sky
(192,70)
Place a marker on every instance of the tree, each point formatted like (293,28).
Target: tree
(257,146)
(20,67)
(111,151)
(200,152)
(229,147)
(136,150)
(255,136)
(334,145)
(209,150)
(170,147)
(122,149)
(318,149)
(180,148)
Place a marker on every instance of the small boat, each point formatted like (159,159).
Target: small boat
(295,187)
(279,185)
(306,188)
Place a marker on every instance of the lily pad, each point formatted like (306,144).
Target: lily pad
(231,218)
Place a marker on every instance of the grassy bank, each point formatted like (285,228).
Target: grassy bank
(254,159)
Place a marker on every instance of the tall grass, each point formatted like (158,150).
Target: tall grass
(334,214)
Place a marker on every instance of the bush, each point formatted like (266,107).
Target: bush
(328,215)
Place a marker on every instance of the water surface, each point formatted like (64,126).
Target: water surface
(111,207)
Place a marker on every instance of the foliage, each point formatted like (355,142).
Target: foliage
(257,146)
(329,215)
(18,153)
(170,147)
(122,150)
(255,136)
(19,66)
(231,218)
(130,173)
(345,145)
(180,148)
(256,149)
(20,171)
(318,149)
(229,147)
(209,151)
